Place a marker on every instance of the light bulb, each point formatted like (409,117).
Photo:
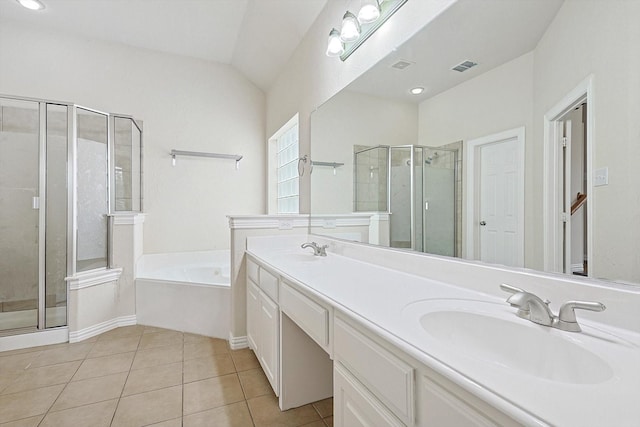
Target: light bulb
(350,28)
(31,4)
(369,12)
(417,90)
(334,44)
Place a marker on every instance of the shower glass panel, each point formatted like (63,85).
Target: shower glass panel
(92,190)
(127,162)
(440,201)
(19,214)
(371,175)
(57,132)
(401,198)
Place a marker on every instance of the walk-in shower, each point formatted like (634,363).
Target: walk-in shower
(63,170)
(418,187)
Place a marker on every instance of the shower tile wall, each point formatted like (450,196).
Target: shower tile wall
(371,179)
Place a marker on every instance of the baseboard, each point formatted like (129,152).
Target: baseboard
(92,331)
(34,339)
(237,343)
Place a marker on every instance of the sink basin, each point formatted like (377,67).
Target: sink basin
(493,334)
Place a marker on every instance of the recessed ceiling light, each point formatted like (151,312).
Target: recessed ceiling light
(417,90)
(31,4)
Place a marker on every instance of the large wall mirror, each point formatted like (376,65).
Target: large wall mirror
(522,150)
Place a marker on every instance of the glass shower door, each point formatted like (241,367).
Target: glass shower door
(19,213)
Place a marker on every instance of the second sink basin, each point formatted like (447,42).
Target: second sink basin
(493,334)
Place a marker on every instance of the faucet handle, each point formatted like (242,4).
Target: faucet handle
(567,316)
(511,289)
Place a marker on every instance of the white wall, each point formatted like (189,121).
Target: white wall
(372,121)
(495,101)
(311,78)
(185,104)
(602,40)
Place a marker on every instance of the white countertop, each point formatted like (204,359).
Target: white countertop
(379,296)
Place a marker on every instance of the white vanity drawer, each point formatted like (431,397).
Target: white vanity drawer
(309,315)
(252,271)
(388,377)
(268,283)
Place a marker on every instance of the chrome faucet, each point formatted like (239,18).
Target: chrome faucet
(317,249)
(533,308)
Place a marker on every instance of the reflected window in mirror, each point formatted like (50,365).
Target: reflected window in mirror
(284,182)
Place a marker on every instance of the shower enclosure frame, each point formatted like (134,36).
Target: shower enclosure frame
(72,199)
(412,187)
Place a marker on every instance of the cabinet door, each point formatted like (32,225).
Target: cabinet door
(355,406)
(269,340)
(253,314)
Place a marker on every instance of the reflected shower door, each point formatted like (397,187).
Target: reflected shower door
(19,213)
(440,202)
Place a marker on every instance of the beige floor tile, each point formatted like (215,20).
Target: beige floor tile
(150,407)
(265,412)
(244,359)
(17,362)
(208,367)
(154,378)
(318,423)
(21,351)
(28,403)
(66,353)
(191,338)
(160,339)
(204,348)
(176,422)
(93,390)
(7,379)
(328,421)
(25,422)
(43,376)
(125,331)
(152,329)
(324,407)
(107,365)
(212,393)
(157,356)
(254,383)
(234,415)
(94,415)
(114,346)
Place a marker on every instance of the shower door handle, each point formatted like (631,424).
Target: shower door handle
(483,223)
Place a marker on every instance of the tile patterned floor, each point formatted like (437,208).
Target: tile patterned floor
(143,376)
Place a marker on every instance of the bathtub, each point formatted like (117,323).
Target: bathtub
(185,291)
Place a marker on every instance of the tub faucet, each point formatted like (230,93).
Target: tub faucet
(317,249)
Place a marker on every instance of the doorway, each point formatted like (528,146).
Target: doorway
(495,198)
(567,183)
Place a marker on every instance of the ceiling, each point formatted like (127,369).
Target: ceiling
(257,37)
(489,32)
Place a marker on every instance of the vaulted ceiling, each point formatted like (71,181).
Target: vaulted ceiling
(256,37)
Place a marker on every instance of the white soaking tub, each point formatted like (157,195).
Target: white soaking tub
(185,291)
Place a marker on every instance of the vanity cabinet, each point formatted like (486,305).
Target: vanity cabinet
(263,321)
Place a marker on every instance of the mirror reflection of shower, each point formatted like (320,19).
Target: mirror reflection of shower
(423,201)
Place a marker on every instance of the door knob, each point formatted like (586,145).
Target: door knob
(483,223)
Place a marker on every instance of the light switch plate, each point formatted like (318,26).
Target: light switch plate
(601,177)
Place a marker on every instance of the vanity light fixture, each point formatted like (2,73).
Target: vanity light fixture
(350,28)
(335,47)
(355,30)
(31,4)
(369,11)
(417,90)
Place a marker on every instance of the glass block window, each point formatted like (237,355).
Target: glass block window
(287,165)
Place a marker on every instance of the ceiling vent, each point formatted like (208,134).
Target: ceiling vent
(464,66)
(402,64)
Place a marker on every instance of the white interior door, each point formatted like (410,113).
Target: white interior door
(500,208)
